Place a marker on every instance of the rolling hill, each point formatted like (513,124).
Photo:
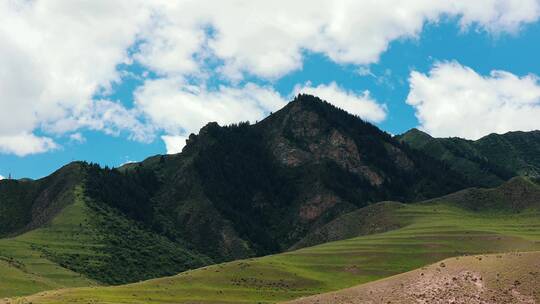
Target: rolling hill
(517,195)
(426,233)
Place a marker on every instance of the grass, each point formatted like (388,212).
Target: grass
(24,266)
(430,232)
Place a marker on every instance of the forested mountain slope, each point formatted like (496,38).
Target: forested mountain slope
(489,161)
(247,190)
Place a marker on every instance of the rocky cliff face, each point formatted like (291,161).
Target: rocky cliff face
(307,133)
(309,140)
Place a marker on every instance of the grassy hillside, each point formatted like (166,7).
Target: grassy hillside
(429,232)
(514,196)
(26,268)
(377,218)
(84,245)
(501,278)
(28,204)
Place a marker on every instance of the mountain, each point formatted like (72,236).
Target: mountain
(234,192)
(489,161)
(247,190)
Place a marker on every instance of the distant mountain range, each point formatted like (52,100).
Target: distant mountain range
(488,161)
(246,190)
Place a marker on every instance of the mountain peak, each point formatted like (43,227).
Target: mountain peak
(313,103)
(307,109)
(307,99)
(416,132)
(414,137)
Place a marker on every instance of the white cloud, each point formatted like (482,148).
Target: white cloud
(179,108)
(107,116)
(267,38)
(24,144)
(174,144)
(113,118)
(57,55)
(171,39)
(361,104)
(1,177)
(454,100)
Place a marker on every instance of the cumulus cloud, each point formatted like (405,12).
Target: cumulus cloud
(179,108)
(267,38)
(25,143)
(113,118)
(56,56)
(107,116)
(454,100)
(361,104)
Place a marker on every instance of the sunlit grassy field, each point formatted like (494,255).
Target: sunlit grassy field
(431,232)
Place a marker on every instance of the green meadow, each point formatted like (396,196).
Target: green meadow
(430,232)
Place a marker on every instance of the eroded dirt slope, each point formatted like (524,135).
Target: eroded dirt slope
(505,278)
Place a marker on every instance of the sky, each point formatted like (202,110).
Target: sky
(116,81)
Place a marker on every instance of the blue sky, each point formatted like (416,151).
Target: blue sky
(437,54)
